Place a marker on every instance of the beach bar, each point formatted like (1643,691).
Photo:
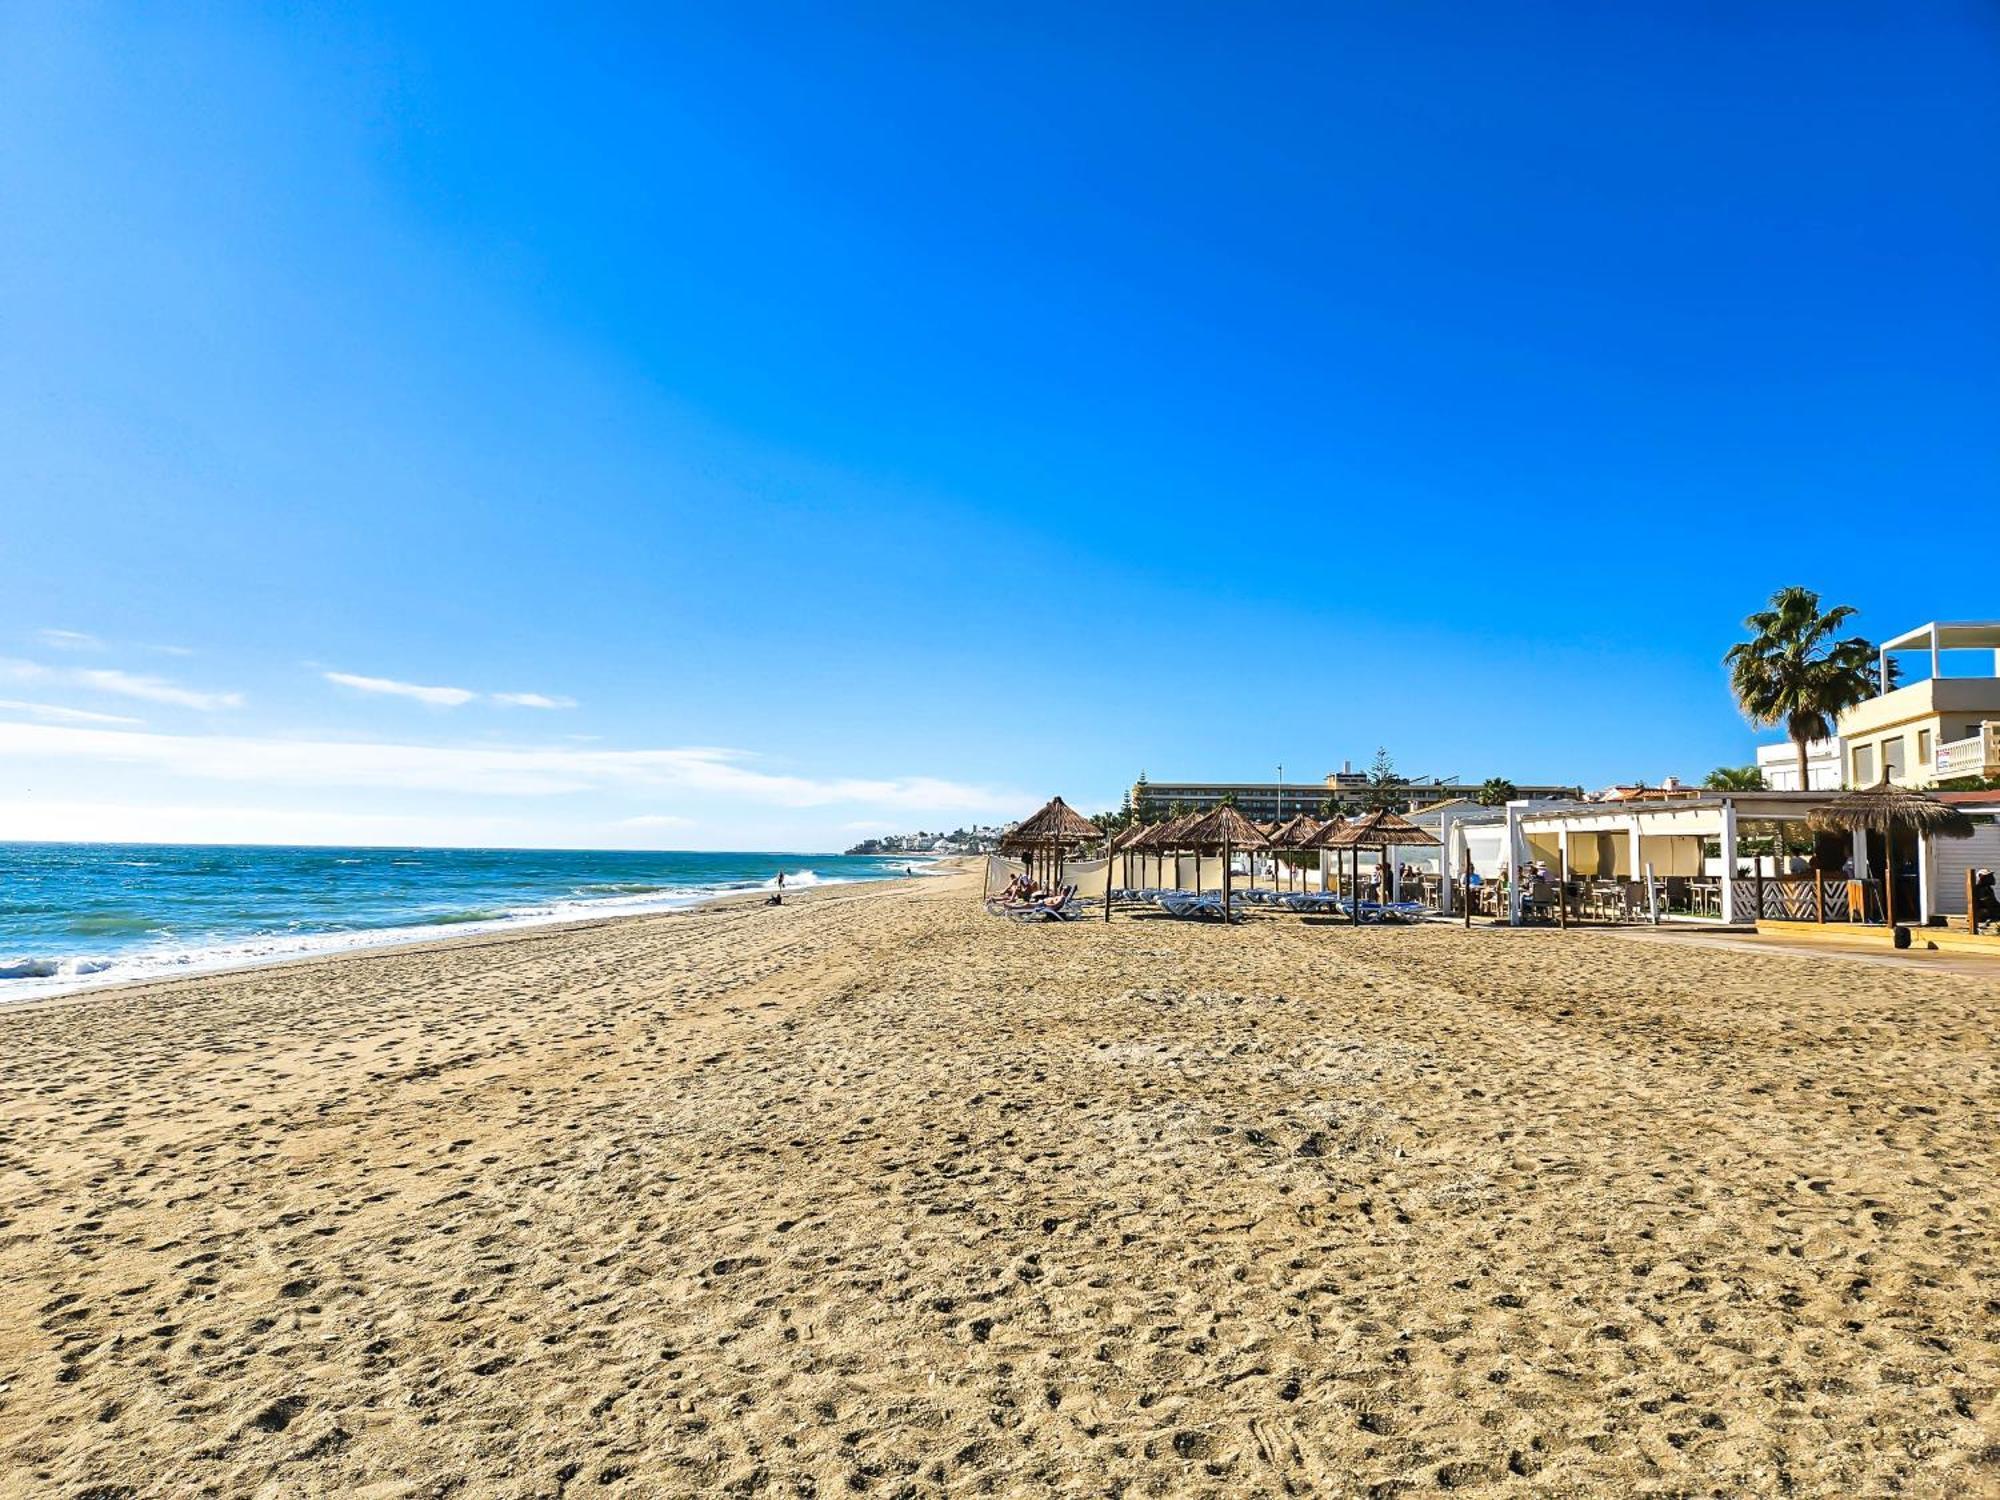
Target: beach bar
(1772,859)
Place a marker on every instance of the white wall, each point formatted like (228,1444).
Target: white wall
(1780,765)
(1954,858)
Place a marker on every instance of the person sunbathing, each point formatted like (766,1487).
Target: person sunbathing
(1021,891)
(1050,907)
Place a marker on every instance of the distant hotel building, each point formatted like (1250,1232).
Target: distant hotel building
(1270,802)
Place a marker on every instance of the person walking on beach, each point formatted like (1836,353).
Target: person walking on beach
(779,898)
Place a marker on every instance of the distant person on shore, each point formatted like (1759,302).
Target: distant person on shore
(778,896)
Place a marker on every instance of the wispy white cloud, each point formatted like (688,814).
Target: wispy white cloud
(443,697)
(55,713)
(124,684)
(165,650)
(69,640)
(437,697)
(656,820)
(153,689)
(695,771)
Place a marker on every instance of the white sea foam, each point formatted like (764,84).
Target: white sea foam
(33,978)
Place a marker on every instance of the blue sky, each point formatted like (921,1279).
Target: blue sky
(830,419)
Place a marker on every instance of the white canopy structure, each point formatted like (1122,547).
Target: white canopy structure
(1669,837)
(1938,637)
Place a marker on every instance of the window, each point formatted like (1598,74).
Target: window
(1864,765)
(1925,754)
(1892,759)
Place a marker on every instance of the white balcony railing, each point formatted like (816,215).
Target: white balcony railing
(1976,755)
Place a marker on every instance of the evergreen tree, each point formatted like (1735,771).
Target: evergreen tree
(1386,789)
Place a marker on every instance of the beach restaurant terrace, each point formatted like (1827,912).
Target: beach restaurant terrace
(1768,859)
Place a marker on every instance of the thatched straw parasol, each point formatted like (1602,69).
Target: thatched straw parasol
(1162,837)
(1294,832)
(1053,830)
(1382,830)
(1323,834)
(1223,829)
(1054,825)
(1889,810)
(1119,853)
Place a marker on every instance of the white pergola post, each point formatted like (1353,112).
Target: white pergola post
(1926,877)
(1860,855)
(1728,861)
(1562,855)
(1638,860)
(1323,853)
(1447,862)
(1516,844)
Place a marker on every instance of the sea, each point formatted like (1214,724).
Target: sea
(75,916)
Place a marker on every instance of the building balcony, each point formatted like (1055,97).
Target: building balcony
(1976,755)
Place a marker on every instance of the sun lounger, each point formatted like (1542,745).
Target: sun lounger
(1066,910)
(1312,901)
(1207,905)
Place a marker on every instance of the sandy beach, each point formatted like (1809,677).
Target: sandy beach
(875,1194)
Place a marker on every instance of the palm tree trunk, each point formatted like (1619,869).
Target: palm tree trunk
(1805,783)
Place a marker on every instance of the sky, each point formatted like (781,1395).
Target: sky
(765,426)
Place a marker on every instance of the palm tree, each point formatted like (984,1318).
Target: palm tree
(1793,672)
(1496,791)
(1734,779)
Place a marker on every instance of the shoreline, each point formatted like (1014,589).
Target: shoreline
(228,958)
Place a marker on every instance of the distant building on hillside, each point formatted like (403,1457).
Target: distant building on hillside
(979,839)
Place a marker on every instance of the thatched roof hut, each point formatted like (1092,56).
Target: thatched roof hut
(1886,809)
(1890,810)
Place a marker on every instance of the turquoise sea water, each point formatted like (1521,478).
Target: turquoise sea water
(73,915)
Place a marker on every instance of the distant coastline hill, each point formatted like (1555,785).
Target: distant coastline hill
(976,840)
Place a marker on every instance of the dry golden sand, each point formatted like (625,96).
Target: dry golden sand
(876,1194)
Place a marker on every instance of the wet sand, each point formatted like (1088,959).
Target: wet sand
(875,1194)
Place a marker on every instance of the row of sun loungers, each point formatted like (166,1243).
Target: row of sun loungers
(1208,904)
